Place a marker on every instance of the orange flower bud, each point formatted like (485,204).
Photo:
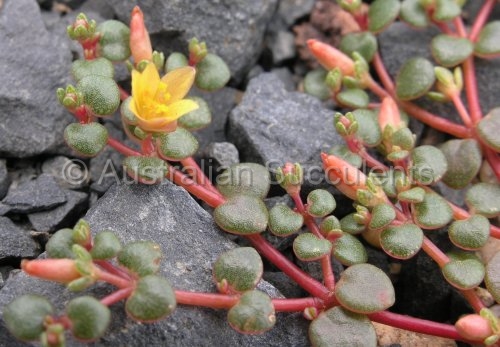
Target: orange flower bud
(58,270)
(474,327)
(389,114)
(330,57)
(347,178)
(140,43)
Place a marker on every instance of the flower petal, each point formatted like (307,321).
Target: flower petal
(145,84)
(157,125)
(178,82)
(180,108)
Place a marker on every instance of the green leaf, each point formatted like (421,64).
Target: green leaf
(381,14)
(177,145)
(414,14)
(353,98)
(350,226)
(89,318)
(428,164)
(340,327)
(320,203)
(450,50)
(197,119)
(314,84)
(458,152)
(464,271)
(492,278)
(283,221)
(100,94)
(175,60)
(60,244)
(365,43)
(308,247)
(402,241)
(488,41)
(238,270)
(244,178)
(115,40)
(368,127)
(348,250)
(127,115)
(242,215)
(415,78)
(382,216)
(148,170)
(141,257)
(364,288)
(403,138)
(344,153)
(153,299)
(433,212)
(106,246)
(25,316)
(413,195)
(471,233)
(253,314)
(484,198)
(100,66)
(212,73)
(488,129)
(446,10)
(86,139)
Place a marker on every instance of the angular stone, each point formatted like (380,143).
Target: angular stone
(282,46)
(32,67)
(68,173)
(217,157)
(16,242)
(4,179)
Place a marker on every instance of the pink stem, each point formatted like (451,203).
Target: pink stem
(462,111)
(459,25)
(123,149)
(193,170)
(107,266)
(382,73)
(471,89)
(117,296)
(115,280)
(212,300)
(481,19)
(296,305)
(493,160)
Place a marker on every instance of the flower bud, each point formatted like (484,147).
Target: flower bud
(82,29)
(347,178)
(334,80)
(197,51)
(290,177)
(330,57)
(349,5)
(474,327)
(446,83)
(58,270)
(140,43)
(389,114)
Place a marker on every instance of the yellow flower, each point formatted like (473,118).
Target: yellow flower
(158,103)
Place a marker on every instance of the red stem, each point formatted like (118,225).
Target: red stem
(471,92)
(115,280)
(434,252)
(123,149)
(382,73)
(107,266)
(212,300)
(481,19)
(462,111)
(358,148)
(493,160)
(459,25)
(117,296)
(193,170)
(296,305)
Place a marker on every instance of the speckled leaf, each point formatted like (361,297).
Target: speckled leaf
(153,299)
(141,257)
(413,195)
(25,316)
(175,60)
(283,221)
(127,115)
(414,14)
(365,43)
(242,215)
(433,212)
(364,288)
(320,203)
(492,278)
(329,223)
(86,139)
(197,119)
(484,198)
(489,128)
(100,66)
(212,73)
(415,78)
(446,10)
(89,318)
(353,98)
(253,314)
(340,327)
(115,40)
(464,271)
(381,14)
(100,94)
(457,153)
(350,226)
(106,246)
(471,233)
(244,178)
(382,216)
(402,241)
(428,164)
(368,127)
(488,42)
(177,145)
(450,50)
(348,250)
(309,247)
(314,84)
(403,138)
(148,170)
(60,244)
(345,154)
(238,270)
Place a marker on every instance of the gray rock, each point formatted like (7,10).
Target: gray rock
(218,156)
(191,243)
(285,285)
(68,173)
(40,194)
(4,209)
(33,64)
(62,216)
(232,29)
(97,6)
(16,242)
(4,179)
(291,10)
(286,77)
(282,46)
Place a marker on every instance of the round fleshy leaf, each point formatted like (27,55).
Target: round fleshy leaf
(314,84)
(484,198)
(402,241)
(382,216)
(115,40)
(148,170)
(428,164)
(340,327)
(242,215)
(488,42)
(330,223)
(253,314)
(25,316)
(106,246)
(415,78)
(464,271)
(238,270)
(381,14)
(488,129)
(175,60)
(433,212)
(177,145)
(413,195)
(152,299)
(320,203)
(308,247)
(244,178)
(86,139)
(89,317)
(197,119)
(141,257)
(100,66)
(349,225)
(450,50)
(471,233)
(458,152)
(492,277)
(414,14)
(212,73)
(283,221)
(60,244)
(403,138)
(364,288)
(128,117)
(446,10)
(100,94)
(345,154)
(348,250)
(365,43)
(368,127)
(353,98)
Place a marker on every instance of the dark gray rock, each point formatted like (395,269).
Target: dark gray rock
(4,209)
(68,173)
(217,157)
(97,6)
(286,77)
(191,242)
(292,10)
(40,194)
(62,216)
(234,30)
(282,45)
(285,285)
(33,64)
(16,242)
(4,179)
